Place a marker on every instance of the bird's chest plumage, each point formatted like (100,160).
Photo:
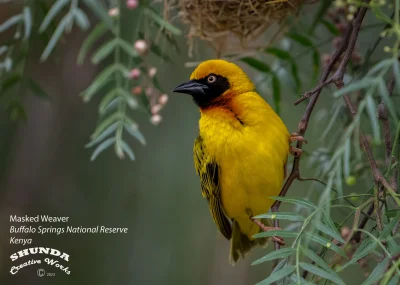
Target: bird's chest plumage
(251,159)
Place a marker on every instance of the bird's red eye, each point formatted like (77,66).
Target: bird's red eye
(211,79)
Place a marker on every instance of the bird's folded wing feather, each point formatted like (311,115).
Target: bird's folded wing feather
(208,172)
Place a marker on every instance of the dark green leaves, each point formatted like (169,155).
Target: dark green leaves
(74,14)
(278,275)
(256,64)
(306,42)
(281,233)
(294,217)
(322,273)
(326,243)
(286,56)
(94,35)
(163,23)
(297,201)
(277,254)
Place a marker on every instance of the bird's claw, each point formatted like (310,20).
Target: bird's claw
(296,152)
(294,137)
(277,239)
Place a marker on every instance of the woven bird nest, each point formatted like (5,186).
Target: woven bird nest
(220,21)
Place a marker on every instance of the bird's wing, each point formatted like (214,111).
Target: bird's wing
(208,171)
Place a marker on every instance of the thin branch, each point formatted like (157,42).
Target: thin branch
(303,124)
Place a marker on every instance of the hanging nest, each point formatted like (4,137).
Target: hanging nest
(220,22)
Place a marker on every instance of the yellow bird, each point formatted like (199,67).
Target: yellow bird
(241,151)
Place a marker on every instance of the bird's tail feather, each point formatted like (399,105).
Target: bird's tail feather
(241,244)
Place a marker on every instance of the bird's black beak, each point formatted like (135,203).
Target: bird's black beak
(191,87)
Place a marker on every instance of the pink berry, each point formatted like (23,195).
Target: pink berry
(132,4)
(141,47)
(152,72)
(134,73)
(156,108)
(156,119)
(163,99)
(137,90)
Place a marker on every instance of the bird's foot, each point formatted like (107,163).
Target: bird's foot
(277,239)
(294,137)
(296,152)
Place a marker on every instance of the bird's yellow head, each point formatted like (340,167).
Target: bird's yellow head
(215,82)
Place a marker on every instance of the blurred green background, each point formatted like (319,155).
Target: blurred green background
(45,169)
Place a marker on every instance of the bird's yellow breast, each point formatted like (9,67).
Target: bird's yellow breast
(250,143)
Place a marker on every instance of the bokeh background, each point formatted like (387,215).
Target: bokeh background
(45,169)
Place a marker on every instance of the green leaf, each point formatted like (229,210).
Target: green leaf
(112,106)
(276,254)
(328,231)
(300,39)
(101,80)
(27,22)
(163,23)
(366,247)
(127,48)
(317,259)
(322,9)
(373,117)
(395,280)
(346,158)
(396,71)
(281,233)
(9,81)
(256,64)
(55,37)
(129,99)
(322,273)
(107,100)
(355,86)
(294,217)
(382,66)
(386,99)
(377,273)
(103,135)
(103,51)
(81,19)
(126,148)
(97,32)
(303,281)
(326,243)
(98,8)
(104,145)
(330,27)
(297,201)
(105,124)
(54,10)
(133,130)
(286,56)
(278,275)
(276,91)
(157,51)
(387,229)
(10,22)
(35,88)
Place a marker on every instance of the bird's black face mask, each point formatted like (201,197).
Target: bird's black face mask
(204,90)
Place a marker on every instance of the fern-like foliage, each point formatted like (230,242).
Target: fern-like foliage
(115,80)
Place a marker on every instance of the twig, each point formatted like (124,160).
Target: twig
(303,124)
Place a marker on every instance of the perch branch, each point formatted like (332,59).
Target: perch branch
(303,124)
